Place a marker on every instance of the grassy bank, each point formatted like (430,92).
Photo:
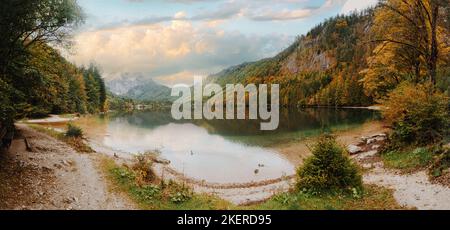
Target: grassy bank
(408,160)
(173,196)
(158,195)
(373,198)
(75,142)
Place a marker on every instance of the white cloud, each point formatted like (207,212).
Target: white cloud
(173,51)
(358,5)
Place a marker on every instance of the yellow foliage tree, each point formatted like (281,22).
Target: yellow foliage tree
(412,40)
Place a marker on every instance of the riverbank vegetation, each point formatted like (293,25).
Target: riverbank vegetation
(408,72)
(329,180)
(73,137)
(139,182)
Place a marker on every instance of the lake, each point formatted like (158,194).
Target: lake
(219,151)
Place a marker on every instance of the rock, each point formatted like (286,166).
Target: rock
(366,155)
(375,138)
(375,147)
(65,163)
(47,169)
(361,142)
(380,135)
(371,141)
(353,149)
(70,200)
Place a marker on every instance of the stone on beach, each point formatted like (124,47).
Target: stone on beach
(353,149)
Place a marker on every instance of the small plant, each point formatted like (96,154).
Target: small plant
(441,162)
(329,169)
(143,169)
(123,175)
(74,131)
(149,192)
(181,196)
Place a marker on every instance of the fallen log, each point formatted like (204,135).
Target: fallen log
(27,144)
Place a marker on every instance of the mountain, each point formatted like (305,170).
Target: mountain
(138,87)
(322,67)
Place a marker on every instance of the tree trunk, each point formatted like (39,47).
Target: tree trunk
(432,62)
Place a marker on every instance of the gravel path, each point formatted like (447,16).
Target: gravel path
(53,176)
(413,190)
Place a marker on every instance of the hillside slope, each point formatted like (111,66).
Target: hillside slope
(320,68)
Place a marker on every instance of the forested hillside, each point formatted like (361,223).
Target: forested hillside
(35,79)
(338,63)
(320,68)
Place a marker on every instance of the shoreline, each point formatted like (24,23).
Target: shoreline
(412,190)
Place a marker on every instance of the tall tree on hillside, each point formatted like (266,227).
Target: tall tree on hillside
(95,89)
(409,34)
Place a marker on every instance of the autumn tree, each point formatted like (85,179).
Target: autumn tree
(410,35)
(25,22)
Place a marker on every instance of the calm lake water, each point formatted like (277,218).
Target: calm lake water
(220,151)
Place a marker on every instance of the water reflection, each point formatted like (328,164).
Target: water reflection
(223,151)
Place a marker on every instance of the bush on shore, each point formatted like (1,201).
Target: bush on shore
(418,114)
(329,169)
(74,131)
(441,161)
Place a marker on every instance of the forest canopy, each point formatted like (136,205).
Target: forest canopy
(35,79)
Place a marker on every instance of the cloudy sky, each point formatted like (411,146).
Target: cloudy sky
(174,40)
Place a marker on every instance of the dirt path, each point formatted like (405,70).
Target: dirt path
(413,190)
(53,176)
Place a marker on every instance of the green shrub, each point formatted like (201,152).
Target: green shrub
(441,163)
(329,169)
(418,115)
(74,131)
(181,196)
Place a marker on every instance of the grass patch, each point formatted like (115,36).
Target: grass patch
(372,198)
(158,195)
(408,160)
(75,142)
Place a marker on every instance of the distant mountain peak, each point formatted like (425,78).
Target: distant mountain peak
(139,87)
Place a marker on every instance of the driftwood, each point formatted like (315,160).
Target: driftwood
(27,144)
